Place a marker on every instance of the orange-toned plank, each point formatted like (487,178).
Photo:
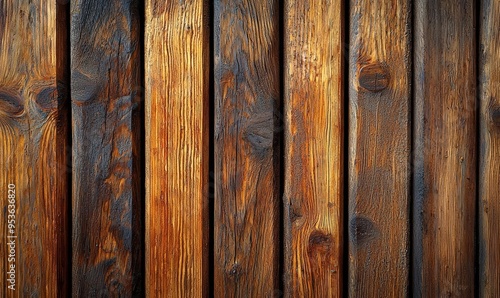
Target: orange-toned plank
(33,146)
(177,130)
(379,148)
(314,152)
(445,163)
(247,158)
(489,179)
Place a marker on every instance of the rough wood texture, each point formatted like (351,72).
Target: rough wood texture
(379,148)
(33,146)
(445,148)
(314,152)
(489,179)
(177,153)
(247,98)
(105,80)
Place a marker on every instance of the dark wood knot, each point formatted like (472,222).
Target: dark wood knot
(46,98)
(11,103)
(374,77)
(495,116)
(362,230)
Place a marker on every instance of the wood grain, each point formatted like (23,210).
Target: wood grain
(379,148)
(33,147)
(177,153)
(445,148)
(489,171)
(314,152)
(105,90)
(247,162)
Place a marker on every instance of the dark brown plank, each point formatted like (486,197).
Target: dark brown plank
(33,146)
(247,165)
(314,152)
(105,80)
(445,148)
(177,154)
(379,148)
(489,179)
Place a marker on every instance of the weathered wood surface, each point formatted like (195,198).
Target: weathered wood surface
(489,171)
(247,161)
(33,145)
(445,148)
(314,152)
(379,147)
(105,91)
(177,153)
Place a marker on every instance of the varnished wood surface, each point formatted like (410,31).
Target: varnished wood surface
(177,130)
(247,161)
(445,162)
(379,147)
(314,152)
(34,145)
(105,89)
(489,171)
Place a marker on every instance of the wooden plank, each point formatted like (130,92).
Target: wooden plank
(445,148)
(105,78)
(489,186)
(34,139)
(314,152)
(33,147)
(379,148)
(177,153)
(247,162)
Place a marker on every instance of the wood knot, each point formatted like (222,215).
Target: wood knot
(235,271)
(46,98)
(319,238)
(362,230)
(320,243)
(495,116)
(84,88)
(374,77)
(11,104)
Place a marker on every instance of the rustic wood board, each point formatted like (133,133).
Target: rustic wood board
(33,147)
(489,179)
(177,154)
(247,161)
(445,148)
(105,91)
(314,151)
(379,147)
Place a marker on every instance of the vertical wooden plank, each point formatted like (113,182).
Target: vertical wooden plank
(105,80)
(314,151)
(379,147)
(247,97)
(33,146)
(489,180)
(445,148)
(177,156)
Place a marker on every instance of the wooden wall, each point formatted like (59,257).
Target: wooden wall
(237,148)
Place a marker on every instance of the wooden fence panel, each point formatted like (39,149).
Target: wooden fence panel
(177,156)
(314,134)
(33,136)
(445,148)
(247,148)
(489,172)
(379,147)
(231,148)
(105,91)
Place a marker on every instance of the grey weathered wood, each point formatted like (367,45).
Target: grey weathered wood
(105,91)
